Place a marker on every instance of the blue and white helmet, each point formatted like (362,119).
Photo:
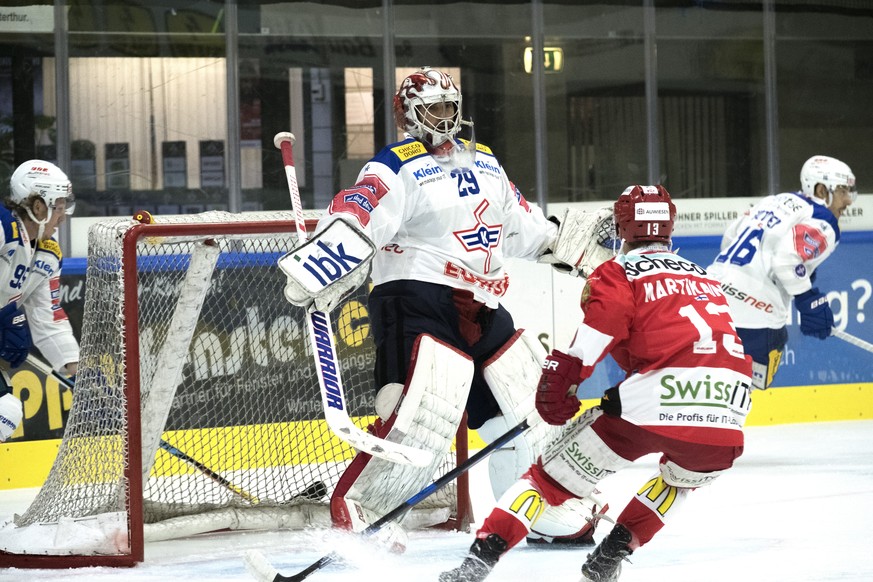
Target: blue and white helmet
(44,180)
(828,171)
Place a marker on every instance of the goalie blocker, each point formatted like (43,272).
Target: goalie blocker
(325,269)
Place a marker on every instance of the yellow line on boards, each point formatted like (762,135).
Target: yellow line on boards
(27,463)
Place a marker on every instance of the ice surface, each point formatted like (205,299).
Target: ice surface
(797,507)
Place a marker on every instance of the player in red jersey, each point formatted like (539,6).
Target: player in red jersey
(686,394)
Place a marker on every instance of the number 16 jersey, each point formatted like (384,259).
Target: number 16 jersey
(769,255)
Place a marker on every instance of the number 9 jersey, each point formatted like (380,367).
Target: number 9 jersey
(30,275)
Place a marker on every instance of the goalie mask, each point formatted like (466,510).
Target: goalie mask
(644,214)
(830,172)
(44,180)
(428,106)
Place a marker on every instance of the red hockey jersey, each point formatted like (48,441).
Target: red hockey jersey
(668,325)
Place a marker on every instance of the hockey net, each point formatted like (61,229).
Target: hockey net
(196,407)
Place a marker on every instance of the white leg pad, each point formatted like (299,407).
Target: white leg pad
(676,476)
(426,417)
(512,375)
(760,375)
(580,459)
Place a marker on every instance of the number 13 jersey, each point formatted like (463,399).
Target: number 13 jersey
(668,325)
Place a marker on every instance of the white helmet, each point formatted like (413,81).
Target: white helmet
(828,171)
(417,92)
(43,179)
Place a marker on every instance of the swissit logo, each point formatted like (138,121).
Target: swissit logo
(328,265)
(729,392)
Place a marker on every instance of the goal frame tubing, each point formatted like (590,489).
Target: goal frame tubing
(133,440)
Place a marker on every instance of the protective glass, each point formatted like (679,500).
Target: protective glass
(57,196)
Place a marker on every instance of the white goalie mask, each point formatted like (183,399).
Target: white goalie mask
(830,172)
(42,179)
(418,94)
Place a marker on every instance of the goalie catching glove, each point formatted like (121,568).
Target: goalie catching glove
(586,238)
(324,270)
(556,393)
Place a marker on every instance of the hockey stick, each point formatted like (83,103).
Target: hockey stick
(43,367)
(333,396)
(262,570)
(855,341)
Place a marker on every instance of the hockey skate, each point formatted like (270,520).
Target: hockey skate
(583,538)
(586,539)
(604,563)
(484,553)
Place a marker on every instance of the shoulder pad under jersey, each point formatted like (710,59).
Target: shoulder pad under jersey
(821,212)
(395,155)
(50,246)
(11,231)
(480,147)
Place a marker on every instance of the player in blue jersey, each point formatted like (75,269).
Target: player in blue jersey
(39,200)
(769,257)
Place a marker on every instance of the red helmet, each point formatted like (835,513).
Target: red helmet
(644,213)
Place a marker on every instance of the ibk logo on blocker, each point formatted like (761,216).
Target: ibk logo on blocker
(328,265)
(328,257)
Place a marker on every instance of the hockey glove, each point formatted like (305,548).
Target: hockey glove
(585,239)
(556,393)
(10,415)
(816,317)
(15,338)
(324,271)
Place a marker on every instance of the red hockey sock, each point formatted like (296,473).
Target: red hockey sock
(504,524)
(641,521)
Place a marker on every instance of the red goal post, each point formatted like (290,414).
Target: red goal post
(196,406)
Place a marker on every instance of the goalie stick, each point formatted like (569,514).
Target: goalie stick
(38,364)
(333,396)
(855,341)
(262,570)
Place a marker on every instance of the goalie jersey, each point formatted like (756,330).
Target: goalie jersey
(770,254)
(431,222)
(30,276)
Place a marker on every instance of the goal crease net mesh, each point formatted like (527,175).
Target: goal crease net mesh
(232,430)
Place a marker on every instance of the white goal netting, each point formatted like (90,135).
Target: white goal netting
(195,366)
